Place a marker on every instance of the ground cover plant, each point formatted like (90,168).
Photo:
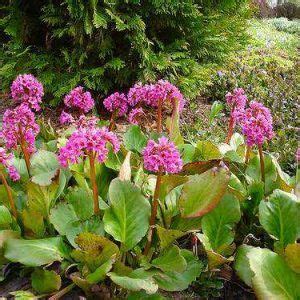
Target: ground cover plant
(145,213)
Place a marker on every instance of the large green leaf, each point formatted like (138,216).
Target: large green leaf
(35,252)
(203,192)
(81,200)
(44,281)
(280,217)
(41,198)
(174,281)
(127,219)
(135,281)
(168,236)
(218,224)
(5,218)
(292,256)
(70,220)
(267,273)
(253,173)
(44,167)
(206,150)
(33,222)
(214,258)
(170,260)
(5,235)
(61,216)
(134,139)
(94,250)
(100,273)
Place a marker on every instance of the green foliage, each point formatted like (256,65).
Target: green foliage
(280,217)
(203,192)
(44,281)
(267,273)
(35,253)
(108,45)
(127,217)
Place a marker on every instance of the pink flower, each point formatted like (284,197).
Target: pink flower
(136,94)
(27,89)
(86,122)
(5,160)
(79,99)
(162,156)
(165,91)
(86,140)
(237,100)
(135,115)
(116,102)
(65,118)
(19,124)
(256,122)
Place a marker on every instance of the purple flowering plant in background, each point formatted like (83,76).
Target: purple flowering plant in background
(19,128)
(28,90)
(79,99)
(237,102)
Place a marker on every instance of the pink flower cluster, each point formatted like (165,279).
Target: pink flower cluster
(256,123)
(237,99)
(27,89)
(162,156)
(19,125)
(79,99)
(5,160)
(135,115)
(116,102)
(86,140)
(150,94)
(137,94)
(66,118)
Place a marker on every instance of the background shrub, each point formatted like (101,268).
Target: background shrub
(107,45)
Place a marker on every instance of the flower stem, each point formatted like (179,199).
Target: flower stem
(24,149)
(94,183)
(62,292)
(9,195)
(247,156)
(230,129)
(153,212)
(159,116)
(112,120)
(262,163)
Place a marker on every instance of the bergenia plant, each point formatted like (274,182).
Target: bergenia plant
(28,90)
(116,104)
(19,128)
(136,115)
(89,142)
(237,102)
(79,99)
(6,163)
(257,126)
(160,94)
(66,118)
(161,158)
